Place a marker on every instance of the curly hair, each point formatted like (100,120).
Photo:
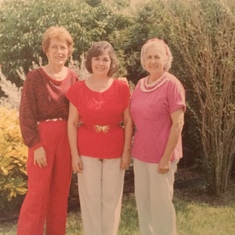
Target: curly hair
(97,49)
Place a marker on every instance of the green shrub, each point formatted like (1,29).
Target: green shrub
(13,156)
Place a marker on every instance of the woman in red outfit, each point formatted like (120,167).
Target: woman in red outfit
(43,121)
(100,145)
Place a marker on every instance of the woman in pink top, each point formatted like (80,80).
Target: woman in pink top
(43,120)
(100,144)
(157,108)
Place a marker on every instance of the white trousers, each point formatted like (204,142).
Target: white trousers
(154,194)
(100,188)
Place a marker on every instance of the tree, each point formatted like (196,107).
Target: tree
(203,38)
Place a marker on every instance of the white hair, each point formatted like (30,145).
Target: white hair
(158,43)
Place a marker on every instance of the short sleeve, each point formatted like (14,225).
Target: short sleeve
(72,94)
(125,91)
(175,95)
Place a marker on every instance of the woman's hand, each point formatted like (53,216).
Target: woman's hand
(163,166)
(125,161)
(40,157)
(73,122)
(77,164)
(177,118)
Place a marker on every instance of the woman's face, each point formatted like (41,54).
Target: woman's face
(101,64)
(155,59)
(57,53)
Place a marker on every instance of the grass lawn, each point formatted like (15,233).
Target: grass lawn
(197,214)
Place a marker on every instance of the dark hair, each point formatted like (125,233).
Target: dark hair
(97,49)
(57,32)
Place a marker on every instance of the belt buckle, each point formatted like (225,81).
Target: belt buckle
(100,128)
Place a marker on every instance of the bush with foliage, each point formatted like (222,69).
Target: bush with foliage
(13,156)
(204,39)
(22,24)
(13,152)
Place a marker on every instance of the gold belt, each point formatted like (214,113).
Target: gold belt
(100,128)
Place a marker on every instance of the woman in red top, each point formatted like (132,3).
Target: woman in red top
(100,145)
(43,121)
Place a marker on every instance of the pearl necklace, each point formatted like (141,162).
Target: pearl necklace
(145,87)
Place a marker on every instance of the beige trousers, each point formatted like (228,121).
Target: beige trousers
(100,187)
(154,194)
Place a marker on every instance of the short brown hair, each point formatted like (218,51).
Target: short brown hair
(97,49)
(57,32)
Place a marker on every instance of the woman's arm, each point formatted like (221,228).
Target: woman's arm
(28,117)
(177,118)
(128,127)
(28,111)
(73,121)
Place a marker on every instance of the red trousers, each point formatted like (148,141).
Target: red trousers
(48,188)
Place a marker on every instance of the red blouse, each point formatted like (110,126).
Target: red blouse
(42,98)
(100,134)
